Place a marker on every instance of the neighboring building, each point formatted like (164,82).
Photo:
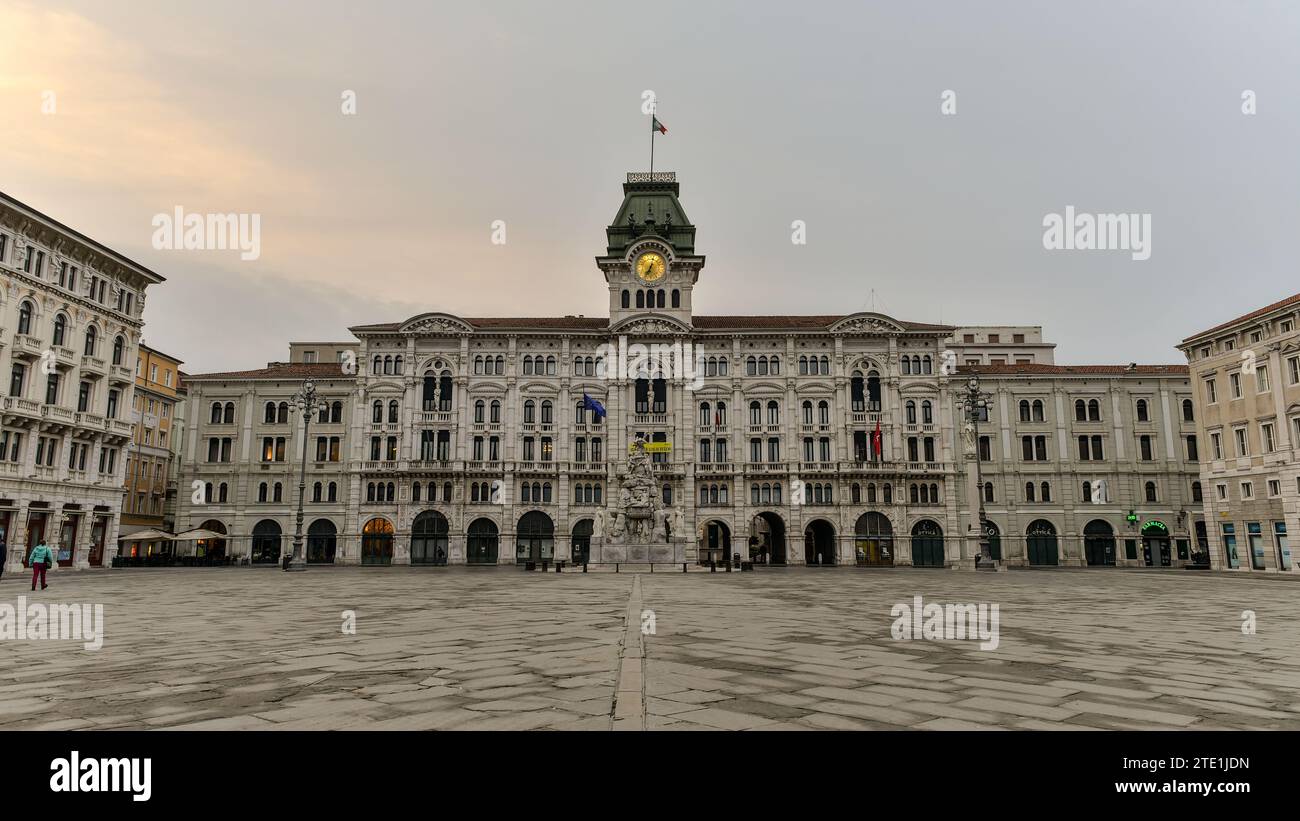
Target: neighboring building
(71,325)
(1087,465)
(468,440)
(1246,375)
(149,480)
(1001,345)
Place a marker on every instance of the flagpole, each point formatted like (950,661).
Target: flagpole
(652,144)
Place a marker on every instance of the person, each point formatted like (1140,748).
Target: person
(41,559)
(4,553)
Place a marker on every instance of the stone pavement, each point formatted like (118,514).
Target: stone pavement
(498,648)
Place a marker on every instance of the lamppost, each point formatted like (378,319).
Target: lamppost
(305,401)
(976,404)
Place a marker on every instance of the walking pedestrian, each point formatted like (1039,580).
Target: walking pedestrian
(41,559)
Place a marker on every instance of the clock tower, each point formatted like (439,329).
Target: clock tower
(650,263)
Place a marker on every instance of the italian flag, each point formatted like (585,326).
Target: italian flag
(655,125)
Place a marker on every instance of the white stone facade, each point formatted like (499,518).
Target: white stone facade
(70,323)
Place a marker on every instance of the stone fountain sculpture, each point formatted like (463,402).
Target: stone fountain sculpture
(640,527)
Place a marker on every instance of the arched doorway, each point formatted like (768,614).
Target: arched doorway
(266,542)
(429,538)
(211,549)
(993,536)
(874,540)
(581,543)
(1155,544)
(377,542)
(1040,542)
(1099,543)
(535,538)
(322,542)
(766,539)
(715,542)
(482,545)
(927,544)
(819,543)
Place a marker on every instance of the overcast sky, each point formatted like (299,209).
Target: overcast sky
(530,113)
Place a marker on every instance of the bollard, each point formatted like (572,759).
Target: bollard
(615,567)
(728,565)
(713,566)
(683,567)
(584,567)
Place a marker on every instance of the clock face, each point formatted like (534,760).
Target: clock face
(650,267)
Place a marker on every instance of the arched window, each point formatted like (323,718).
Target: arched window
(282,413)
(640,299)
(1046,493)
(336,413)
(215,416)
(706,414)
(1142,413)
(1038,411)
(388,365)
(906,365)
(988,491)
(528,366)
(377,412)
(397,366)
(677,298)
(530,411)
(751,366)
(269,416)
(478,365)
(659,300)
(333,492)
(377,365)
(261,492)
(91,338)
(926,364)
(392,411)
(25,317)
(1187,411)
(1029,491)
(720,414)
(317,491)
(119,350)
(910,407)
(223,493)
(1024,410)
(927,413)
(823,412)
(1080,411)
(279,492)
(60,328)
(1151,491)
(773,412)
(228,414)
(1094,410)
(775,364)
(626,299)
(494,412)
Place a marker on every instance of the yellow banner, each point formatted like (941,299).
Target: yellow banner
(654,447)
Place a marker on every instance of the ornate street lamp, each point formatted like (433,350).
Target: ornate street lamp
(976,404)
(305,401)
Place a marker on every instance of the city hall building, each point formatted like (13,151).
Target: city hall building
(827,439)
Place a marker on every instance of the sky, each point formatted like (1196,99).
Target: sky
(922,145)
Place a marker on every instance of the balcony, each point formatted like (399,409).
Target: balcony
(437,417)
(24,409)
(64,358)
(120,374)
(28,347)
(818,467)
(58,415)
(714,467)
(86,419)
(650,419)
(93,366)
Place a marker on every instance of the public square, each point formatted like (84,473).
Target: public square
(776,649)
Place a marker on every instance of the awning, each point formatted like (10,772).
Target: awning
(198,533)
(149,535)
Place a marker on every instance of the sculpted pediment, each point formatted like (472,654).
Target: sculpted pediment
(867,323)
(436,323)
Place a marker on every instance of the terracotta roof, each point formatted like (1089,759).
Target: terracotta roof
(1267,309)
(1035,368)
(704,323)
(282,370)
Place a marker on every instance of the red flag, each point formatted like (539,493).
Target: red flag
(717,418)
(875,441)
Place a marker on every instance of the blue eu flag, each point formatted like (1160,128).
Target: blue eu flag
(592,405)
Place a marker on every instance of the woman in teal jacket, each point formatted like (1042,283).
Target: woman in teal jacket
(41,559)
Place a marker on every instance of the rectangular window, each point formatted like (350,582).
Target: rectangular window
(1221,490)
(1266,434)
(1243,448)
(1216,445)
(1211,395)
(1247,490)
(1234,385)
(1261,378)
(1274,488)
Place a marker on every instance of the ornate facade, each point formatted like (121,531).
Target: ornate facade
(69,336)
(830,439)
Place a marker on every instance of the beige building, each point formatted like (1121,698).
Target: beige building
(149,503)
(70,323)
(1246,373)
(827,439)
(1086,465)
